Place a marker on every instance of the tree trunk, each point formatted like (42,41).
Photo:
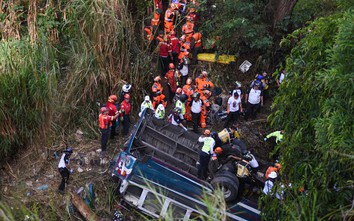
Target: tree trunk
(280,9)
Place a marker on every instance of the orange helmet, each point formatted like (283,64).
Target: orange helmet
(158,78)
(112,98)
(207,132)
(171,66)
(126,96)
(218,150)
(189,81)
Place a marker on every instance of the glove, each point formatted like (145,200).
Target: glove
(185,129)
(71,170)
(265,139)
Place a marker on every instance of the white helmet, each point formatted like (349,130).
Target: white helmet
(160,107)
(147,98)
(273,175)
(126,88)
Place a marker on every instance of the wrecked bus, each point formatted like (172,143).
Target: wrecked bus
(157,173)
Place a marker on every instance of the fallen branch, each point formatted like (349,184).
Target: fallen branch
(84,210)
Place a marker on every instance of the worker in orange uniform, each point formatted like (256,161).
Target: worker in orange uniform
(171,82)
(111,105)
(203,82)
(175,47)
(124,115)
(149,33)
(158,96)
(188,89)
(104,124)
(184,51)
(155,21)
(169,19)
(205,108)
(276,168)
(196,45)
(187,29)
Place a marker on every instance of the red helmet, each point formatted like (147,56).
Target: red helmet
(103,110)
(126,96)
(171,66)
(112,97)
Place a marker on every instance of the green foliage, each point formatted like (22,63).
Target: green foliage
(315,105)
(242,26)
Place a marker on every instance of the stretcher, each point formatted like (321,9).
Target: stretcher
(212,57)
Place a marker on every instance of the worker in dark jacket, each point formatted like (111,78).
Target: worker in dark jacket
(64,169)
(205,153)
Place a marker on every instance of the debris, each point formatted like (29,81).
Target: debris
(80,170)
(43,187)
(29,183)
(78,131)
(79,190)
(84,210)
(55,154)
(90,195)
(28,193)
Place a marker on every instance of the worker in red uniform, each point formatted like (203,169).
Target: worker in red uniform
(124,115)
(171,81)
(165,53)
(175,47)
(196,45)
(169,19)
(112,112)
(158,96)
(205,108)
(188,89)
(104,124)
(203,82)
(187,29)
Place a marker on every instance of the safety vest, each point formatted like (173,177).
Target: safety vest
(181,105)
(198,39)
(145,104)
(278,136)
(188,90)
(208,145)
(157,87)
(155,21)
(104,121)
(160,114)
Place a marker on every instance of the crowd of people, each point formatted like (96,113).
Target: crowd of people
(189,99)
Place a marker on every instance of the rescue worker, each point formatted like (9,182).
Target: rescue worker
(175,118)
(160,112)
(180,103)
(171,81)
(188,90)
(159,38)
(205,108)
(179,92)
(183,66)
(157,90)
(165,55)
(125,108)
(187,29)
(149,33)
(112,112)
(196,108)
(196,45)
(276,168)
(64,169)
(234,107)
(155,21)
(269,184)
(125,90)
(281,77)
(169,19)
(202,82)
(224,152)
(205,153)
(105,121)
(175,47)
(254,99)
(278,135)
(263,78)
(146,104)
